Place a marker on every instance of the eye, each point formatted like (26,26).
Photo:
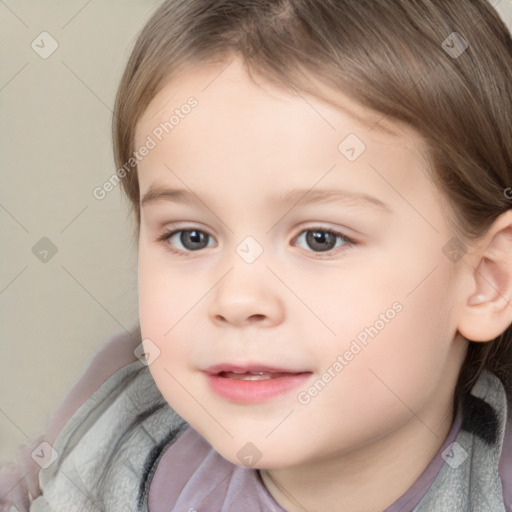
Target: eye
(322,240)
(186,240)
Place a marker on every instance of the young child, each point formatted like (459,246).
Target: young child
(322,190)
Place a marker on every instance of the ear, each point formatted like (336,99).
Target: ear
(487,311)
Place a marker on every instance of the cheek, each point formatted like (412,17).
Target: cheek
(164,296)
(404,360)
(166,302)
(394,332)
(397,372)
(166,305)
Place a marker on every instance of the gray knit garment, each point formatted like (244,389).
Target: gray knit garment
(468,481)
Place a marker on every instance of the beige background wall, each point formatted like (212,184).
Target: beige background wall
(55,148)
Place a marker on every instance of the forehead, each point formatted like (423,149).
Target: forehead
(248,132)
(231,81)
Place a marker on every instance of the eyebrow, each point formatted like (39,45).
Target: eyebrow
(287,200)
(330,196)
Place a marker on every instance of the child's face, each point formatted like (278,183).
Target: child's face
(261,292)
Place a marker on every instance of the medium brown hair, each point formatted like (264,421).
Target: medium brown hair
(392,57)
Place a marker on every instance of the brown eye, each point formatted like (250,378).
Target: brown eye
(194,240)
(322,240)
(187,240)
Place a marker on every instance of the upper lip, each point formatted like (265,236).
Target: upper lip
(249,367)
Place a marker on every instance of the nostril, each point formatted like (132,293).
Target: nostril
(253,318)
(257,318)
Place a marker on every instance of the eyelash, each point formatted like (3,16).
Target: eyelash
(164,237)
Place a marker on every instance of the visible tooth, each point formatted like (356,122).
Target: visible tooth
(248,375)
(256,376)
(241,372)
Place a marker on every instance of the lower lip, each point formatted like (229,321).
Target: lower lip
(255,391)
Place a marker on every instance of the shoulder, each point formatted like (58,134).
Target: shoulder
(505,464)
(101,451)
(19,477)
(472,462)
(493,415)
(113,354)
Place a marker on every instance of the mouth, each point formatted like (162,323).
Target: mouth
(253,383)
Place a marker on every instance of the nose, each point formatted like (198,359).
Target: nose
(246,296)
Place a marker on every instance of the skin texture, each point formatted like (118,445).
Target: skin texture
(360,442)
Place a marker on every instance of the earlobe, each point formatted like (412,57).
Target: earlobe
(488,309)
